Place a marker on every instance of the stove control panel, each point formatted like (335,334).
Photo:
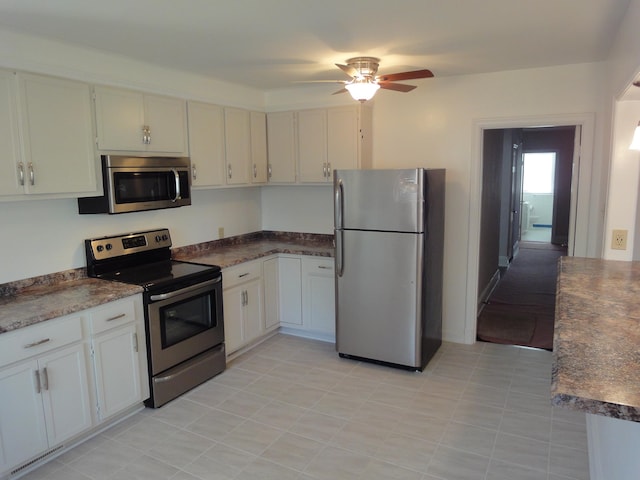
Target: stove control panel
(105,248)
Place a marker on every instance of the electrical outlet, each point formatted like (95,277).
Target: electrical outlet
(220,232)
(619,240)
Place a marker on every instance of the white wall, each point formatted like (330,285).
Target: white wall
(307,209)
(46,236)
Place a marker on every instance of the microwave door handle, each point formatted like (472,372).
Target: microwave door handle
(177,178)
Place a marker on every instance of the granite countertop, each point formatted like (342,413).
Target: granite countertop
(243,248)
(596,365)
(34,300)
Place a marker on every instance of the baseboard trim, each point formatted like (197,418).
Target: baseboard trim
(488,290)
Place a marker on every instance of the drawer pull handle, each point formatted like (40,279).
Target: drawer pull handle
(45,379)
(36,374)
(39,342)
(324,267)
(243,275)
(111,319)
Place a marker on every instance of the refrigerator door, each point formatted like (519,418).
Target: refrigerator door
(384,200)
(378,304)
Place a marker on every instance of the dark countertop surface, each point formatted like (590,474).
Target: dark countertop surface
(235,250)
(33,300)
(597,337)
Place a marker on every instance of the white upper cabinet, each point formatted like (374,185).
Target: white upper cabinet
(312,146)
(343,138)
(281,135)
(129,121)
(237,133)
(258,147)
(9,139)
(206,144)
(54,118)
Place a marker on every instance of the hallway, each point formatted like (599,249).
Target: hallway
(521,309)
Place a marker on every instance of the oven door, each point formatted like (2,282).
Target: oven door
(135,189)
(184,323)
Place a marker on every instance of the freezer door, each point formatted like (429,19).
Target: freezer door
(384,200)
(378,297)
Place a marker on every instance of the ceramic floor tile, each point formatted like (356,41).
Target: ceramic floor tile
(291,408)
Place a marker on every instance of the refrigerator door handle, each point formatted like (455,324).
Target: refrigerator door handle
(338,203)
(339,253)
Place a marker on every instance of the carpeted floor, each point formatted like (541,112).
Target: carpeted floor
(521,309)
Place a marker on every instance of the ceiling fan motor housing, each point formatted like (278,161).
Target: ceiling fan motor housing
(366,66)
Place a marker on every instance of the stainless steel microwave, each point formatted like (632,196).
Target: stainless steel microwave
(133,184)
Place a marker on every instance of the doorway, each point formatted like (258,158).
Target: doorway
(526,197)
(538,173)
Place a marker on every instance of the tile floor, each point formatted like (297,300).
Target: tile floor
(292,409)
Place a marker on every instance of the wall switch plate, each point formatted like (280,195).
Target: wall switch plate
(619,240)
(220,232)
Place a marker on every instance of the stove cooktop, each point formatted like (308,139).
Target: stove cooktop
(161,273)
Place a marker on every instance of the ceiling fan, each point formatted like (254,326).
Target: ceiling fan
(365,83)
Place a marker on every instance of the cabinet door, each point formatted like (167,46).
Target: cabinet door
(290,290)
(237,132)
(9,144)
(233,301)
(253,311)
(319,295)
(281,147)
(117,370)
(65,393)
(271,291)
(119,119)
(343,137)
(258,147)
(22,426)
(167,121)
(57,133)
(206,144)
(312,145)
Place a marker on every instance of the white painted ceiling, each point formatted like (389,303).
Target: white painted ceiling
(270,44)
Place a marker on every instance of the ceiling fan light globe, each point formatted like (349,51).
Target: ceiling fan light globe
(362,91)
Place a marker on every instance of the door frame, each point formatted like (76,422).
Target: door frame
(580,194)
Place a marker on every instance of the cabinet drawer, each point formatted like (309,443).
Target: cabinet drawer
(112,315)
(241,273)
(318,264)
(40,338)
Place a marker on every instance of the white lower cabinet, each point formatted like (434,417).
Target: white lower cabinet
(119,356)
(243,302)
(51,391)
(44,397)
(318,295)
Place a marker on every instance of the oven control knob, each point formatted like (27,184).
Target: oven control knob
(165,237)
(108,246)
(158,238)
(99,248)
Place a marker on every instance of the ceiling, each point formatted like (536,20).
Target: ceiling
(271,44)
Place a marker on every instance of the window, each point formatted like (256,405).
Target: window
(539,172)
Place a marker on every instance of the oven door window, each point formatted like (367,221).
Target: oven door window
(180,321)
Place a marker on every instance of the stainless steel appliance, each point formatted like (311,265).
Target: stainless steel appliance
(132,184)
(389,227)
(183,308)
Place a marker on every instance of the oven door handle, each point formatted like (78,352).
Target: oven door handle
(192,288)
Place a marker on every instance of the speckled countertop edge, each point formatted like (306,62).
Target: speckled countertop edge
(596,366)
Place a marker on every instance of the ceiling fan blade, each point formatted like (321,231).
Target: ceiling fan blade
(349,70)
(320,81)
(394,77)
(398,87)
(342,90)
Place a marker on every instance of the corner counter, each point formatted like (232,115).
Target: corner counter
(596,366)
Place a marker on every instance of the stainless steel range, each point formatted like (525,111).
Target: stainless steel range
(183,308)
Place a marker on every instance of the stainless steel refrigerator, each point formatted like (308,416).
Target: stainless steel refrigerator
(389,235)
